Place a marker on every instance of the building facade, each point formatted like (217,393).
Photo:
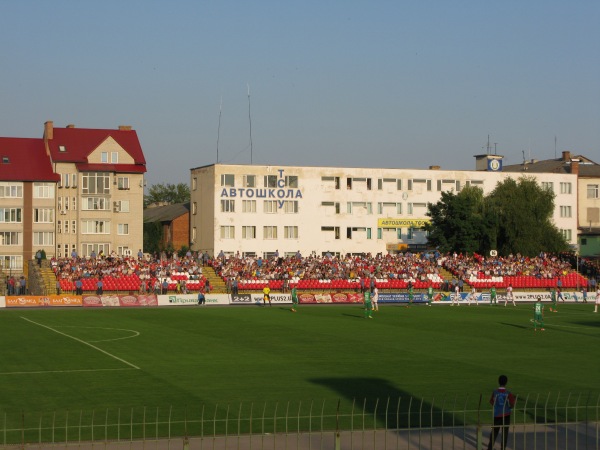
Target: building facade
(260,210)
(27,202)
(73,190)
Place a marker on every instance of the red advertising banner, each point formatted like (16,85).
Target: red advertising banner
(31,301)
(120,300)
(337,297)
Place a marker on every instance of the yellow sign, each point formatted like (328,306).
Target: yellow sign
(401,223)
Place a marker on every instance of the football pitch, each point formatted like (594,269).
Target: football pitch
(99,359)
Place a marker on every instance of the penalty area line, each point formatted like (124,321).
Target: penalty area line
(82,342)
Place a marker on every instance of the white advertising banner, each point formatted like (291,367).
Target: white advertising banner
(2,302)
(192,299)
(258,299)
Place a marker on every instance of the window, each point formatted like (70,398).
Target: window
(10,238)
(379,233)
(43,190)
(123,250)
(270,206)
(336,231)
(389,208)
(95,183)
(11,261)
(228,179)
(270,232)
(122,206)
(291,181)
(74,180)
(65,180)
(11,190)
(565,211)
(62,148)
(122,183)
(43,215)
(565,188)
(104,157)
(59,227)
(74,203)
(290,206)
(249,181)
(369,233)
(194,183)
(249,206)
(114,157)
(592,191)
(227,206)
(10,215)
(227,232)
(93,204)
(566,234)
(66,227)
(87,249)
(249,232)
(270,181)
(194,208)
(43,238)
(94,227)
(410,234)
(73,227)
(290,232)
(123,228)
(194,234)
(410,185)
(548,185)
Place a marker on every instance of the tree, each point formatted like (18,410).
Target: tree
(167,193)
(457,221)
(523,212)
(516,217)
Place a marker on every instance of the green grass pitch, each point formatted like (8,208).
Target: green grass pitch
(95,359)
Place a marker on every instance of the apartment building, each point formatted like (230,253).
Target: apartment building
(27,201)
(259,210)
(72,190)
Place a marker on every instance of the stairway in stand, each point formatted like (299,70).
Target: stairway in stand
(217,285)
(49,279)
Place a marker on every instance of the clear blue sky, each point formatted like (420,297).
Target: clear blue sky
(334,83)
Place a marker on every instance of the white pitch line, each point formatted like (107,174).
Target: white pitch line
(83,342)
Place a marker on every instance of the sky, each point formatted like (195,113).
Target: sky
(344,83)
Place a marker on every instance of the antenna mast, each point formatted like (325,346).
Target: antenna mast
(250,123)
(219,128)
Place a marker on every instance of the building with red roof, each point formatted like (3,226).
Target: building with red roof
(74,190)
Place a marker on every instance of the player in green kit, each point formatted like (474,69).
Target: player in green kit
(410,295)
(553,299)
(294,299)
(538,314)
(493,296)
(368,305)
(429,294)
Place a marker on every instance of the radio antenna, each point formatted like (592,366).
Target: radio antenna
(250,123)
(219,128)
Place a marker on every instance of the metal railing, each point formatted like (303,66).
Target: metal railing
(538,422)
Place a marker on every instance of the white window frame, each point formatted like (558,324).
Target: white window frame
(270,206)
(290,232)
(248,206)
(43,215)
(227,232)
(123,229)
(43,238)
(227,205)
(249,232)
(270,232)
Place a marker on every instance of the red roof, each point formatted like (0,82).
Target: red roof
(25,159)
(80,142)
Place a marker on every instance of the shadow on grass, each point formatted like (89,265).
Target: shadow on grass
(376,403)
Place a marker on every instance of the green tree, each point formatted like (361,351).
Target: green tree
(167,193)
(457,221)
(523,211)
(516,217)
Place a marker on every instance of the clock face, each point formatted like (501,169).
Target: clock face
(494,164)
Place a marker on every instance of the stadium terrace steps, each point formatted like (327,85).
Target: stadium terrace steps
(217,285)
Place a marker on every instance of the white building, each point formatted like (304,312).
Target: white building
(258,210)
